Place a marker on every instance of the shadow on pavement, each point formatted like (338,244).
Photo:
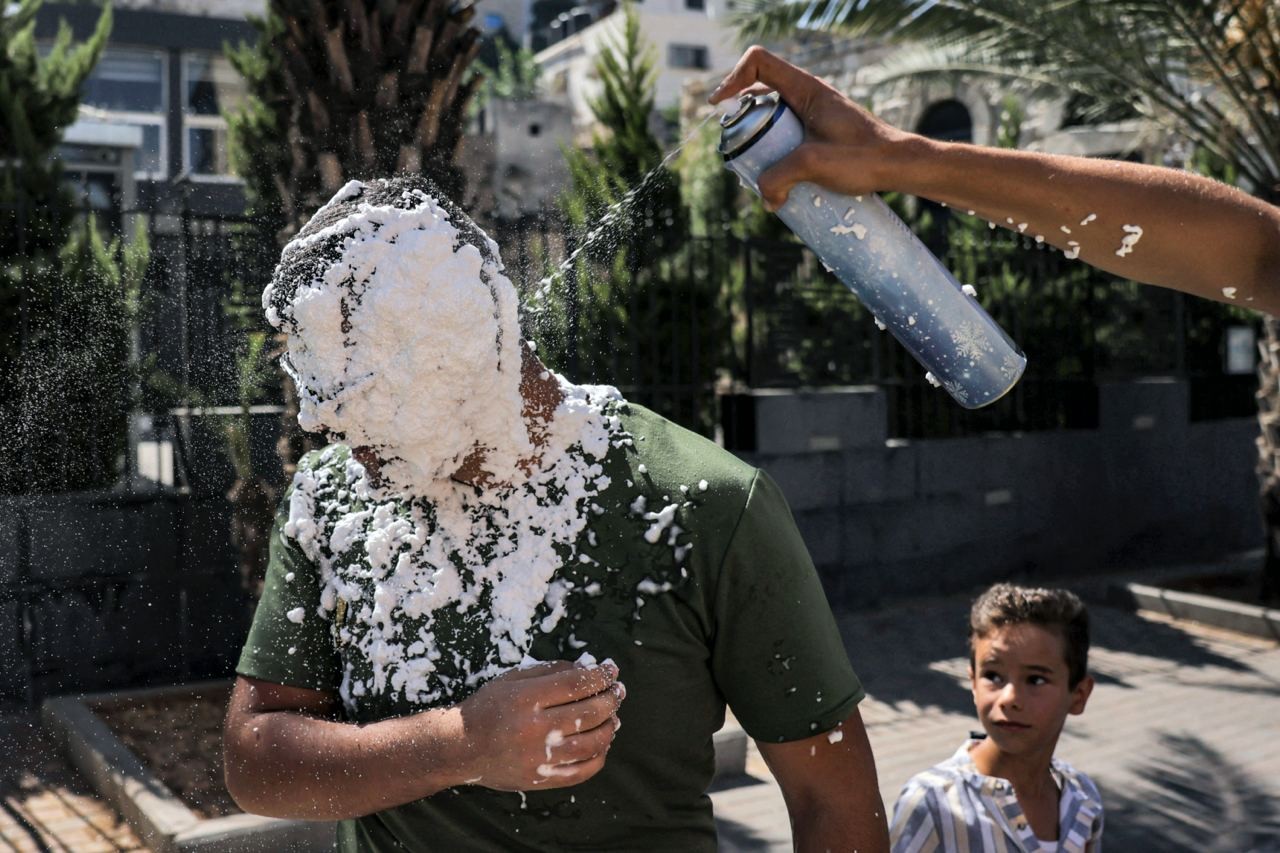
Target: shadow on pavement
(914,652)
(738,838)
(1191,798)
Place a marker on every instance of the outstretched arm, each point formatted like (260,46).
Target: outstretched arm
(1147,223)
(288,755)
(829,783)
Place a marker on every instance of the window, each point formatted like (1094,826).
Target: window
(206,151)
(128,82)
(211,88)
(695,5)
(129,87)
(687,56)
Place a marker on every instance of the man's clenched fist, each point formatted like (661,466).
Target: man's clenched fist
(547,726)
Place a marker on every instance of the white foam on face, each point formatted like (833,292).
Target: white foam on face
(407,343)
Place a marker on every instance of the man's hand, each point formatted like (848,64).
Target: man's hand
(845,146)
(548,726)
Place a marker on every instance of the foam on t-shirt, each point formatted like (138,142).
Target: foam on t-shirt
(495,551)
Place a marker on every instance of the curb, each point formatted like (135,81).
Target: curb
(162,821)
(166,825)
(1220,613)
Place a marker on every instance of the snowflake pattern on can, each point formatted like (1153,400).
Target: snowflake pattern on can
(970,340)
(1009,369)
(957,391)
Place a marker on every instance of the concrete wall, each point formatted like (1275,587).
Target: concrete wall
(893,518)
(101,590)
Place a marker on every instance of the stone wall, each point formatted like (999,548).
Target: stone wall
(896,518)
(105,590)
(101,590)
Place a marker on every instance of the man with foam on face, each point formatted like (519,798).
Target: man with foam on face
(462,583)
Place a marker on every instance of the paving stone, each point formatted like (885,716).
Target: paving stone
(1174,701)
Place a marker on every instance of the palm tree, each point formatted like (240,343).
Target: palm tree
(339,90)
(1208,71)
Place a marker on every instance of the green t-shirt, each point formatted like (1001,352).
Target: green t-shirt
(734,612)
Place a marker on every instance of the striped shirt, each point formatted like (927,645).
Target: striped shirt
(952,806)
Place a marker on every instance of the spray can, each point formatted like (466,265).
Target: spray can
(877,257)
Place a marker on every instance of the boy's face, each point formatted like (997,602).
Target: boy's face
(1020,687)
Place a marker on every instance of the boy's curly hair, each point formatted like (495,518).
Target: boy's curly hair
(1059,609)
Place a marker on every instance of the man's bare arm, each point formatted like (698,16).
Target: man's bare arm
(1198,235)
(286,754)
(833,797)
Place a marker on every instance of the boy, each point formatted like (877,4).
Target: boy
(1028,668)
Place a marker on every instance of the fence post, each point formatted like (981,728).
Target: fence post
(571,303)
(749,349)
(1180,330)
(24,333)
(184,295)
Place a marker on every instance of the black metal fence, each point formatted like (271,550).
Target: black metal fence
(682,321)
(691,318)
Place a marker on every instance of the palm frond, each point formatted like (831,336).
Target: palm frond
(1208,70)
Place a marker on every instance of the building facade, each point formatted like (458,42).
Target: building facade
(164,76)
(689,38)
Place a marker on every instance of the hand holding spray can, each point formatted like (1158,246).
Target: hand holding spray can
(881,261)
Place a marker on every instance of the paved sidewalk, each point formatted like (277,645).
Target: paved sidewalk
(1182,733)
(45,805)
